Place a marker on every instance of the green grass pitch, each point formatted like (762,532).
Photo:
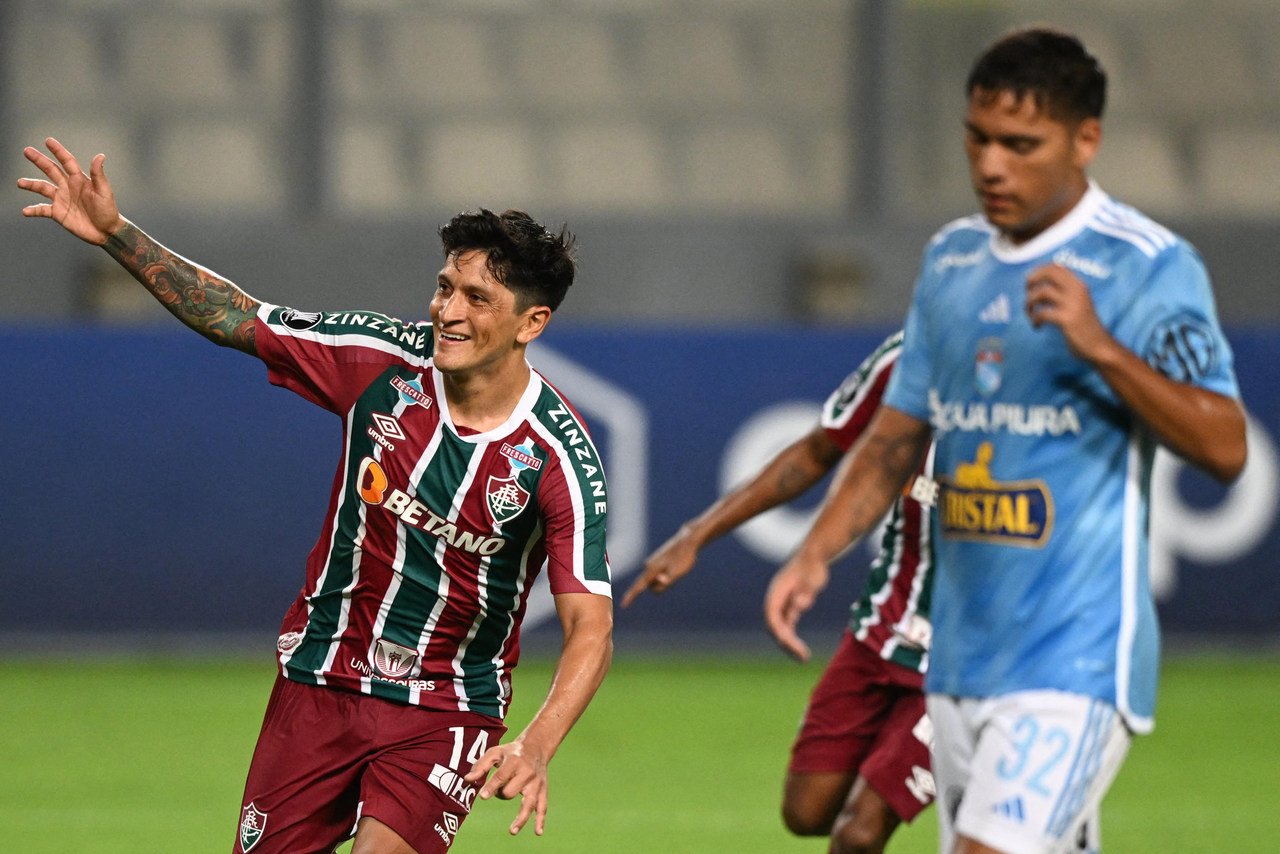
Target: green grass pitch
(674,756)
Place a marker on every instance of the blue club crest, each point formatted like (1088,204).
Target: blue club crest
(988,368)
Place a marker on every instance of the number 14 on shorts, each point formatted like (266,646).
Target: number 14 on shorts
(478,747)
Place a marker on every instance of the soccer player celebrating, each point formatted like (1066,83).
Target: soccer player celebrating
(1052,343)
(464,474)
(860,764)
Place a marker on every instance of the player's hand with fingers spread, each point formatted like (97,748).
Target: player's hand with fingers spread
(1057,296)
(792,591)
(518,769)
(671,562)
(82,204)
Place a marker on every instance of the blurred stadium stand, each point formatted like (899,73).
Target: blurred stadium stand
(711,155)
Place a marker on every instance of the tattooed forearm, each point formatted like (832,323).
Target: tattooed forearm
(891,459)
(791,481)
(867,483)
(207,303)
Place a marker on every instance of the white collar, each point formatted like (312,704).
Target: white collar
(522,409)
(1053,236)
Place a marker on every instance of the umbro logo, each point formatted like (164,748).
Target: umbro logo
(389,426)
(1011,809)
(384,429)
(449,829)
(997,311)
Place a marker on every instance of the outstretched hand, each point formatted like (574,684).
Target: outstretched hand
(517,770)
(82,204)
(793,591)
(671,562)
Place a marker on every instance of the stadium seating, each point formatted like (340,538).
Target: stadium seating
(625,106)
(468,163)
(220,166)
(611,166)
(1140,165)
(371,167)
(1239,167)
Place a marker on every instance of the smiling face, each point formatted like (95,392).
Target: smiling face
(475,320)
(1027,167)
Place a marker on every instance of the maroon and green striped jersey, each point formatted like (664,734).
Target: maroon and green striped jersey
(434,534)
(892,614)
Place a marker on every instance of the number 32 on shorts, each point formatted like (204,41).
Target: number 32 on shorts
(1037,752)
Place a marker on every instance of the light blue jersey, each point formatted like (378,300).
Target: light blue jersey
(1041,534)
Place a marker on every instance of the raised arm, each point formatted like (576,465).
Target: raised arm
(792,472)
(1202,427)
(521,764)
(868,481)
(85,205)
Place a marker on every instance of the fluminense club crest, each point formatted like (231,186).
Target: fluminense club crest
(253,823)
(505,497)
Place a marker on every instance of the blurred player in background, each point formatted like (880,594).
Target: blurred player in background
(1052,343)
(464,474)
(860,763)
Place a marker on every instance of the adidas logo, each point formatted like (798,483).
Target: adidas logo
(1010,809)
(997,311)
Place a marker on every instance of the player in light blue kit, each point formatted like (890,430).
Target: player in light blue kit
(1052,343)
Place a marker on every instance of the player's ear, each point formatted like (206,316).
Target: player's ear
(533,320)
(1086,141)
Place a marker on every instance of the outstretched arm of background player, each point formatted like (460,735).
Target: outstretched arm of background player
(1205,428)
(869,480)
(520,766)
(85,205)
(792,472)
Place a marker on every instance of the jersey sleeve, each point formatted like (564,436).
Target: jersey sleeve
(574,507)
(1173,324)
(908,389)
(329,358)
(849,409)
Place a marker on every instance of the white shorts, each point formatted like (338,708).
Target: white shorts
(1025,772)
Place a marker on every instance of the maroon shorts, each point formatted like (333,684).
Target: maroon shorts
(865,717)
(327,757)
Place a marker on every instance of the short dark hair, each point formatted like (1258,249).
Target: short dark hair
(1051,66)
(536,264)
